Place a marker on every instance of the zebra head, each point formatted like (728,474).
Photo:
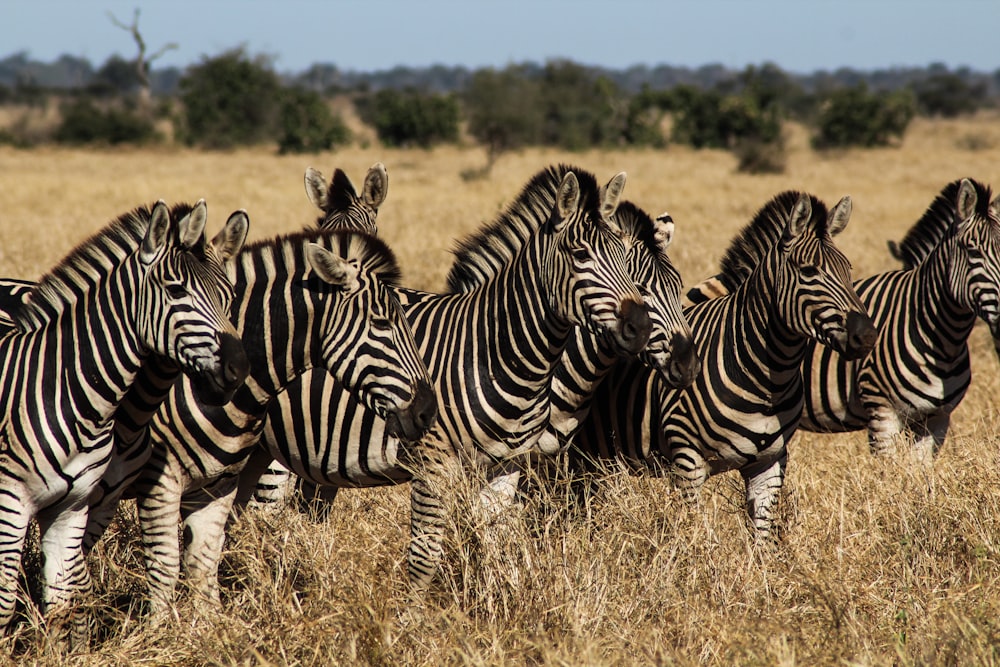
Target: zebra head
(185,296)
(975,265)
(670,348)
(365,340)
(816,297)
(341,206)
(586,265)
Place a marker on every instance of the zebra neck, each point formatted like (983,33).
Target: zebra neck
(935,303)
(584,363)
(756,336)
(97,345)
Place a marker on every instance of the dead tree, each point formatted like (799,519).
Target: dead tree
(142,61)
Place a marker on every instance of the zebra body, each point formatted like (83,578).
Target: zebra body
(307,423)
(918,371)
(491,352)
(787,284)
(149,282)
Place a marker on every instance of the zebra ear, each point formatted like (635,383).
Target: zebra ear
(316,188)
(230,240)
(156,233)
(995,208)
(376,185)
(663,231)
(797,220)
(567,199)
(839,216)
(191,228)
(332,268)
(966,200)
(611,195)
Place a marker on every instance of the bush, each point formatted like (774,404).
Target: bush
(83,122)
(410,118)
(308,125)
(503,110)
(580,110)
(856,117)
(949,95)
(230,101)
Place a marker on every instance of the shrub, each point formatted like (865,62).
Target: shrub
(856,117)
(503,110)
(411,118)
(230,101)
(83,122)
(307,123)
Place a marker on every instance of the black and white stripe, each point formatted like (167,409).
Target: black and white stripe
(147,283)
(786,283)
(918,371)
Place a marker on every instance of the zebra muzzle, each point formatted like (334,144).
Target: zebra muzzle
(684,365)
(861,336)
(412,422)
(634,326)
(216,384)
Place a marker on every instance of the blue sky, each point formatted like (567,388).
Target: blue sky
(366,35)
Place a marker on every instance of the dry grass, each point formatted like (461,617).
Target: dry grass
(879,565)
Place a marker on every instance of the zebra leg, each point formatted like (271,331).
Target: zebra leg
(159,505)
(65,576)
(500,491)
(14,521)
(263,481)
(763,486)
(689,470)
(205,512)
(436,472)
(930,436)
(316,500)
(885,429)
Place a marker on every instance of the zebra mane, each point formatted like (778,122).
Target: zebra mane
(372,254)
(86,264)
(342,193)
(481,255)
(761,234)
(937,223)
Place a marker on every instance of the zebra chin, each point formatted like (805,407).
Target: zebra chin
(216,384)
(412,421)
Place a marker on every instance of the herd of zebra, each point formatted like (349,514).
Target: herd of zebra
(197,376)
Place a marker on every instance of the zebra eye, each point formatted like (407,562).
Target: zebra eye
(580,254)
(974,252)
(809,271)
(176,291)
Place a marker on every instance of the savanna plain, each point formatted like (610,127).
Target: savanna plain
(878,563)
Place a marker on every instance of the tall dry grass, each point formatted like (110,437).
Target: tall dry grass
(879,564)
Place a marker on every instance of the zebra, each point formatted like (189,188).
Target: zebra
(148,282)
(918,371)
(491,353)
(314,299)
(585,360)
(786,284)
(339,201)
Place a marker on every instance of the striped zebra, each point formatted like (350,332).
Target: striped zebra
(490,351)
(918,371)
(149,282)
(340,203)
(786,285)
(316,299)
(585,360)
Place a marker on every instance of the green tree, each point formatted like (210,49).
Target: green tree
(83,122)
(856,117)
(230,100)
(307,123)
(580,110)
(948,95)
(502,110)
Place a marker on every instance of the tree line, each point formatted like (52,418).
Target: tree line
(236,99)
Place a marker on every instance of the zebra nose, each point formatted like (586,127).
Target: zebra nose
(233,358)
(861,334)
(685,364)
(635,325)
(424,406)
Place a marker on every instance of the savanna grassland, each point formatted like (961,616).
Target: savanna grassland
(879,564)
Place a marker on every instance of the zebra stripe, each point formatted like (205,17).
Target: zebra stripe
(148,282)
(491,352)
(918,371)
(789,284)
